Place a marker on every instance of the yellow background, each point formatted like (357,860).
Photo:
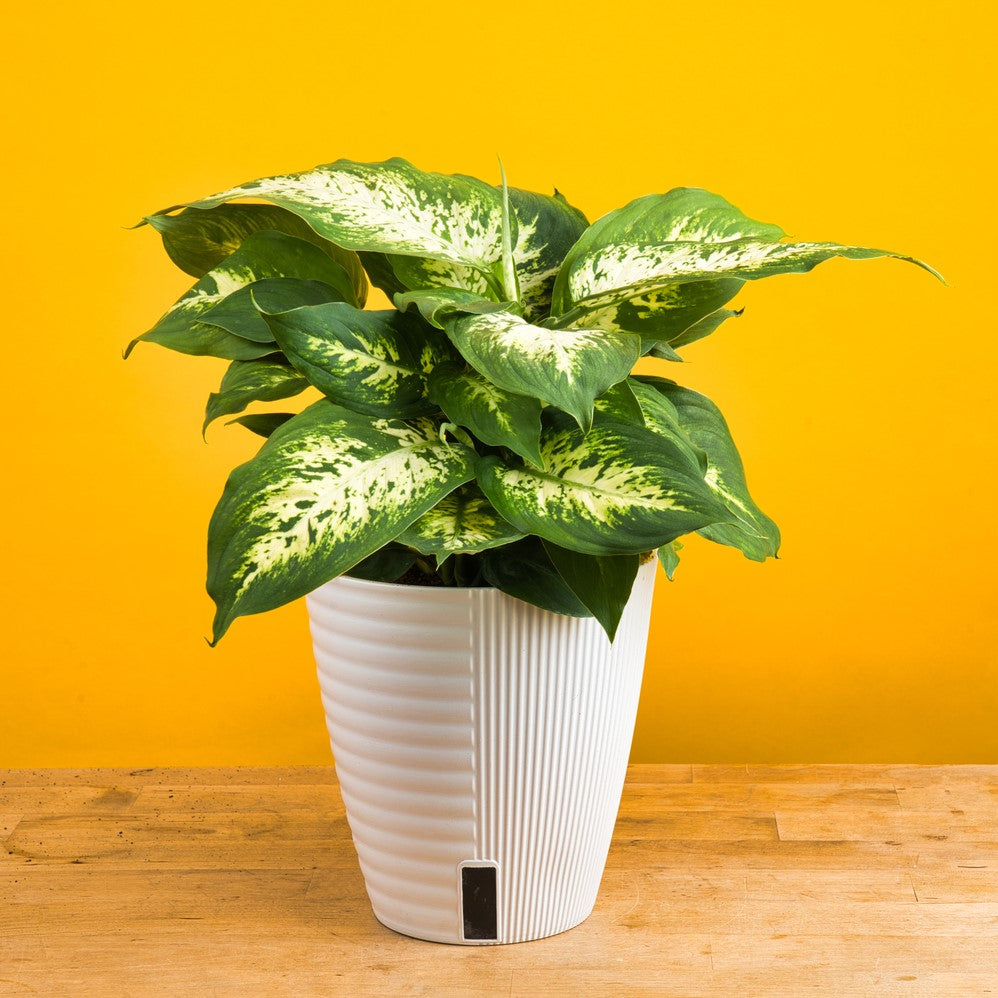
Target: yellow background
(861,395)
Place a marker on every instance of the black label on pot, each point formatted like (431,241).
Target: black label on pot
(479,904)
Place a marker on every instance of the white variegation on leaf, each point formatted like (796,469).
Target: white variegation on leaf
(619,489)
(619,403)
(437,304)
(328,488)
(686,235)
(262,256)
(660,415)
(421,274)
(700,421)
(495,416)
(464,522)
(388,207)
(512,319)
(546,228)
(669,317)
(567,368)
(372,362)
(198,239)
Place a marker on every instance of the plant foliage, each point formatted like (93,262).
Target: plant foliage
(488,430)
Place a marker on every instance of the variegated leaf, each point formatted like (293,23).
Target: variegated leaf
(464,522)
(198,240)
(660,317)
(437,304)
(747,527)
(239,313)
(685,236)
(602,582)
(201,339)
(619,402)
(372,362)
(494,416)
(249,381)
(421,274)
(567,368)
(546,229)
(661,416)
(262,255)
(620,489)
(388,207)
(328,489)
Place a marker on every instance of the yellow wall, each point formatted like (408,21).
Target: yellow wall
(861,395)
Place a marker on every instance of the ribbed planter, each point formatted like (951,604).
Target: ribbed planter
(481,746)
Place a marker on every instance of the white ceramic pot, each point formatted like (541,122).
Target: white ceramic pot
(481,746)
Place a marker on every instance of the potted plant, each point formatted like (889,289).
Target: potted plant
(475,503)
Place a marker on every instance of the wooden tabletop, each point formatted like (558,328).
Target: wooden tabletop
(722,880)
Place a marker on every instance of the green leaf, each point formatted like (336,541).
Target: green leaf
(328,489)
(686,235)
(524,571)
(747,527)
(603,584)
(662,351)
(567,368)
(198,240)
(510,284)
(239,315)
(262,255)
(386,565)
(262,424)
(249,381)
(547,227)
(388,207)
(438,304)
(420,274)
(620,403)
(661,316)
(494,416)
(700,329)
(381,274)
(661,416)
(668,556)
(620,489)
(372,362)
(462,523)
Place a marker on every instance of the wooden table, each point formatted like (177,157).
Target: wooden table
(813,880)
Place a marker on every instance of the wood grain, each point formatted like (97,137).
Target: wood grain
(722,880)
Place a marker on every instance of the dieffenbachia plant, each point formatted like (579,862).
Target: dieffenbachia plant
(488,430)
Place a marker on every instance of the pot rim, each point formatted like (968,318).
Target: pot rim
(446,592)
(398,586)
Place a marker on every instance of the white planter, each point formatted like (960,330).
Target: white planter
(471,730)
